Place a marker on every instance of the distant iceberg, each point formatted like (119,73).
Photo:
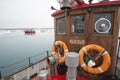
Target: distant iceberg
(4,31)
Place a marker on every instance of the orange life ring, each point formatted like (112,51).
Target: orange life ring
(99,69)
(65,48)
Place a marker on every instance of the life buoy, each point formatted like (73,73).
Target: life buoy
(65,50)
(102,52)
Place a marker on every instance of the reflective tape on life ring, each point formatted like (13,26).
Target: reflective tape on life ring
(105,53)
(54,50)
(83,65)
(100,69)
(66,50)
(96,70)
(84,50)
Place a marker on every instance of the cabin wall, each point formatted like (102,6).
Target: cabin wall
(76,41)
(118,20)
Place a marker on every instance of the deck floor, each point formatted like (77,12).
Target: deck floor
(63,77)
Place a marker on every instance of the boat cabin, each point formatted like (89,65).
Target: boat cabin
(94,23)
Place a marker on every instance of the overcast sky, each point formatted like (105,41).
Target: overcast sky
(27,13)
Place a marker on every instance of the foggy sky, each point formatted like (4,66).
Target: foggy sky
(27,13)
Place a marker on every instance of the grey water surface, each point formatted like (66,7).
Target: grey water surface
(16,46)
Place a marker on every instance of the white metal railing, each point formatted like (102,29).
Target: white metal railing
(26,72)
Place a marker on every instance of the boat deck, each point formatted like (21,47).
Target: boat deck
(61,77)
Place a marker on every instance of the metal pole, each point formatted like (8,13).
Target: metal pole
(29,60)
(47,54)
(0,74)
(47,59)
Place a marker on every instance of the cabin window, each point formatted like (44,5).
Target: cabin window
(102,23)
(77,24)
(61,26)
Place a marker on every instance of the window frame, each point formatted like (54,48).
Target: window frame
(59,32)
(73,32)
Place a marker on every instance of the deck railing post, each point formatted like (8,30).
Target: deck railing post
(47,58)
(47,54)
(1,78)
(0,74)
(29,60)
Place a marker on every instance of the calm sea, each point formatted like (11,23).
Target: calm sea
(16,46)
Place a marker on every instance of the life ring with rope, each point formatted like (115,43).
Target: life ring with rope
(59,50)
(90,66)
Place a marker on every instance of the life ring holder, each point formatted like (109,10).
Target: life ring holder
(62,60)
(106,59)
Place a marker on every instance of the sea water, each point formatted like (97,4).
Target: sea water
(16,46)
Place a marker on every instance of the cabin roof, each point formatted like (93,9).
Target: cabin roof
(84,5)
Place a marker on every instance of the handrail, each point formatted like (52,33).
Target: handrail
(29,61)
(8,65)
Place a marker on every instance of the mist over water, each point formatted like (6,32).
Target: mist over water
(16,45)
